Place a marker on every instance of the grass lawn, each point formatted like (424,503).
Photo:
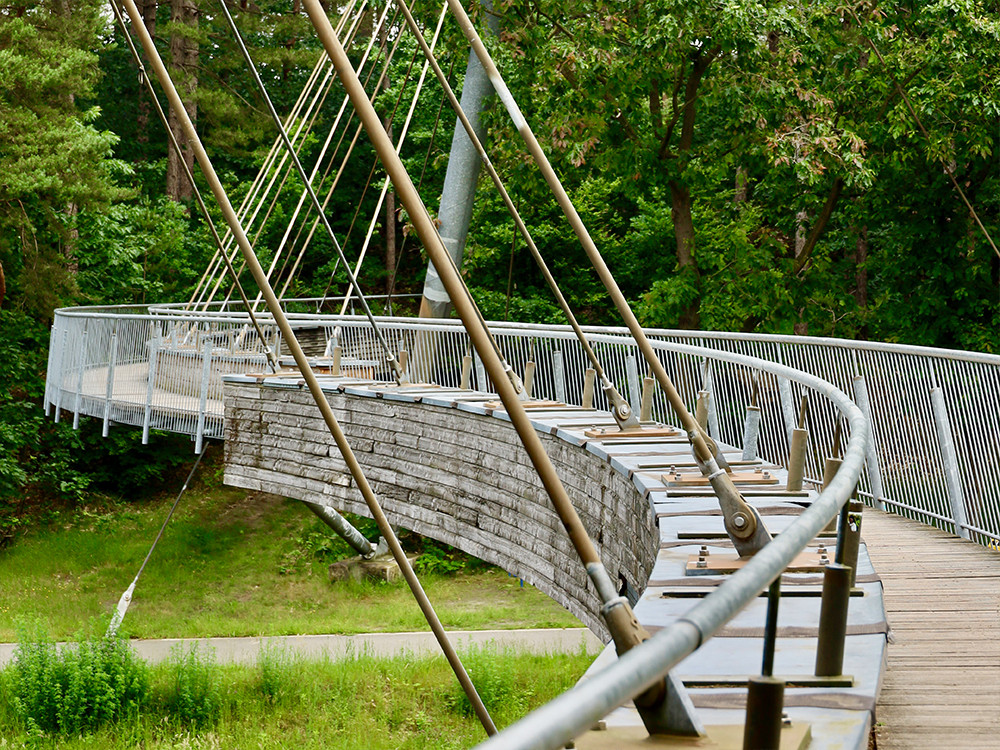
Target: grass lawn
(233,563)
(357,704)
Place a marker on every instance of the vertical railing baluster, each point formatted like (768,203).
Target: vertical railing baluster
(79,376)
(874,470)
(949,459)
(59,373)
(154,356)
(206,368)
(632,379)
(558,376)
(109,390)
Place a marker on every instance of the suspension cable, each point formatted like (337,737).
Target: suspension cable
(213,265)
(390,56)
(620,407)
(420,183)
(304,194)
(197,193)
(311,381)
(305,125)
(400,376)
(259,180)
(126,597)
(399,146)
(742,522)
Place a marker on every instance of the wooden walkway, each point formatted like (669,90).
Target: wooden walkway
(942,597)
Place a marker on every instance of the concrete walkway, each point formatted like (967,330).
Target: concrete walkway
(245,650)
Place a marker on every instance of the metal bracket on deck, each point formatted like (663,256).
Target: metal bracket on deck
(691,479)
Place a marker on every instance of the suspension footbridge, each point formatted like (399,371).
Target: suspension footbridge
(696,499)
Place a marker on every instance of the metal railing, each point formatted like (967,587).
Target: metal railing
(934,456)
(162,366)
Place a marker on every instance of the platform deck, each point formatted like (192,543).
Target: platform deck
(942,596)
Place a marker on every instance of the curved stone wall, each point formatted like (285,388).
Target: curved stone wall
(448,469)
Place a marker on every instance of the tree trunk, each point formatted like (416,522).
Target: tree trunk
(184,70)
(680,195)
(742,186)
(680,211)
(861,278)
(145,107)
(72,238)
(3,285)
(861,270)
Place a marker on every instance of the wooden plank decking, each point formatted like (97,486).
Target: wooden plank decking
(942,599)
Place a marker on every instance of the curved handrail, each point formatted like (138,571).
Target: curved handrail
(935,452)
(572,713)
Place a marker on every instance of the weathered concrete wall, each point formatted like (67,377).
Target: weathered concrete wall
(460,477)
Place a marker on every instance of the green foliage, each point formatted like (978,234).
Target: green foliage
(358,703)
(502,690)
(276,673)
(193,696)
(438,557)
(80,688)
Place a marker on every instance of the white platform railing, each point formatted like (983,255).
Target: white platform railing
(934,456)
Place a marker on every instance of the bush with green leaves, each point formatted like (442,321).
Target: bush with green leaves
(503,691)
(76,688)
(193,696)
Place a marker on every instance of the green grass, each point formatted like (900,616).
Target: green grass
(361,703)
(232,563)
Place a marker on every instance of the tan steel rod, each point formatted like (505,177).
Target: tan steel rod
(271,361)
(307,374)
(390,357)
(625,629)
(747,533)
(621,410)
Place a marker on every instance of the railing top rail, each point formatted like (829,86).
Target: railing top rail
(576,710)
(161,312)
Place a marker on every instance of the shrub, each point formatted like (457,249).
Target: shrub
(78,688)
(274,673)
(194,697)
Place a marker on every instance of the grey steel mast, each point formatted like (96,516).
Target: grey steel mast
(460,179)
(665,706)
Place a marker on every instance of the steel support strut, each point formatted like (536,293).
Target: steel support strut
(274,306)
(625,629)
(742,522)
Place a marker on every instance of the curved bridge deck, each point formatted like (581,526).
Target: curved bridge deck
(446,463)
(942,597)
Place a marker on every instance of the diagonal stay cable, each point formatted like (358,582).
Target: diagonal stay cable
(615,609)
(311,381)
(742,522)
(210,272)
(190,177)
(319,159)
(126,598)
(420,183)
(620,408)
(399,146)
(278,157)
(400,376)
(260,183)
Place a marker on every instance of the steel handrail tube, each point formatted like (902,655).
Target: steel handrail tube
(564,332)
(576,710)
(903,471)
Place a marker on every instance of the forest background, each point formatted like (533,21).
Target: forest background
(743,166)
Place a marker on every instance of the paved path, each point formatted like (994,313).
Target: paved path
(941,687)
(245,650)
